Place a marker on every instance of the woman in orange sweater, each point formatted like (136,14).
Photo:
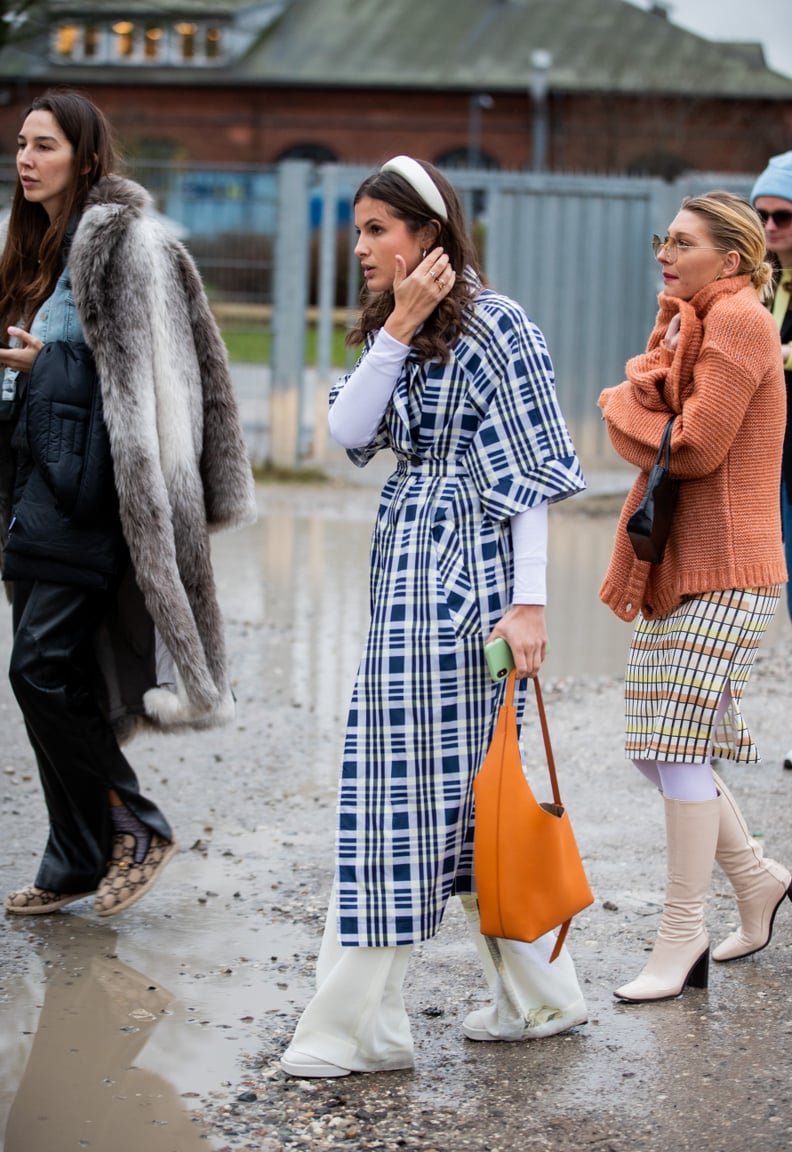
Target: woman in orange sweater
(713,362)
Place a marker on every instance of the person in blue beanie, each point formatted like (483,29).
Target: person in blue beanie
(771,196)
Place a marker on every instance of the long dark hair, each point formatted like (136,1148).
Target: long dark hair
(31,260)
(442,328)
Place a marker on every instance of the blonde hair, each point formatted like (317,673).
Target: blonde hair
(735,226)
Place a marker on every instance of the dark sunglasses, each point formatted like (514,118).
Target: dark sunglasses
(780,218)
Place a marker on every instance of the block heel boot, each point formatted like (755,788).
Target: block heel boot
(680,957)
(759,883)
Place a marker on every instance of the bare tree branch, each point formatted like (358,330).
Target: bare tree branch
(20,19)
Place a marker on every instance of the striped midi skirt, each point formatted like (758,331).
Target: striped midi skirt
(678,668)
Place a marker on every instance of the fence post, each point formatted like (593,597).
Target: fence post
(289,304)
(326,301)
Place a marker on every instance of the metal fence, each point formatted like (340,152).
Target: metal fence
(276,244)
(228,218)
(573,250)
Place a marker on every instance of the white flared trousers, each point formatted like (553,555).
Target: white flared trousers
(357,1018)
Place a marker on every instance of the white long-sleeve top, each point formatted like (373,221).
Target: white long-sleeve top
(355,418)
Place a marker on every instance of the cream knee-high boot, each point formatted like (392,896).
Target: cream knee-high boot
(760,884)
(681,952)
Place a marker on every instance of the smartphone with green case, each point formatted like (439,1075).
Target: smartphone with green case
(499,659)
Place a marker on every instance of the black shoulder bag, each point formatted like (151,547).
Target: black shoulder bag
(650,524)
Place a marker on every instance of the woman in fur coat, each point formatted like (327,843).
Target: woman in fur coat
(120,451)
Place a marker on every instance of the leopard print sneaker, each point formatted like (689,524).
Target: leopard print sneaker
(124,882)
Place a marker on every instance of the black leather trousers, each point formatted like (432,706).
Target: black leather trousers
(53,672)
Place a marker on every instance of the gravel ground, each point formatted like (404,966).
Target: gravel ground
(234,926)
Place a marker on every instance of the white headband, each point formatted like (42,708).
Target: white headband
(420,181)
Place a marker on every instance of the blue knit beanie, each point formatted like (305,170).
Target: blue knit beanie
(776,180)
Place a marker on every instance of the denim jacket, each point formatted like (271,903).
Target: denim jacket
(57,317)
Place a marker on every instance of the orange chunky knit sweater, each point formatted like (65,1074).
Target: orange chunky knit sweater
(725,382)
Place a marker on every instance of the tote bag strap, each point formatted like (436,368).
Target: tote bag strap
(509,701)
(664,451)
(564,928)
(546,737)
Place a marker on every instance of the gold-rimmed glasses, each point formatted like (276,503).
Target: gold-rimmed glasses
(674,247)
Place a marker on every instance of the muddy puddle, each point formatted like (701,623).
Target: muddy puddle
(116,1030)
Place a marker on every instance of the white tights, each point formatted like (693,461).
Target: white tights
(678,780)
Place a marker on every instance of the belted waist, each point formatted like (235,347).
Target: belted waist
(407,464)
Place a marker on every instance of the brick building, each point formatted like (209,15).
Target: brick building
(583,85)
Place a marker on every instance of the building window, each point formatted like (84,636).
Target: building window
(124,47)
(318,153)
(92,40)
(152,45)
(67,38)
(183,44)
(73,43)
(214,43)
(186,41)
(466,158)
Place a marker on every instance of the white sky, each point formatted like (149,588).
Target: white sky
(767,21)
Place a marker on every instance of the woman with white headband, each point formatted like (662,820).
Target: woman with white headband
(458,383)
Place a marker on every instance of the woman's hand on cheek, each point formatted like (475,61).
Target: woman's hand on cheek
(417,295)
(21,358)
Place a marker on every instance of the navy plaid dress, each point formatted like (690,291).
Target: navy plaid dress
(478,439)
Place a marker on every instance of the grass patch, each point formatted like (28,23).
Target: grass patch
(277,474)
(248,347)
(254,346)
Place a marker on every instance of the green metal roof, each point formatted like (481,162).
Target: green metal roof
(596,46)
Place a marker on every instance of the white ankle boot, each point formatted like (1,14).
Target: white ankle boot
(680,955)
(759,883)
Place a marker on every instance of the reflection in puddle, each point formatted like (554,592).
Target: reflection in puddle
(111,1054)
(85,1082)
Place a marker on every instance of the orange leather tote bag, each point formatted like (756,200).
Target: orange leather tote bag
(529,875)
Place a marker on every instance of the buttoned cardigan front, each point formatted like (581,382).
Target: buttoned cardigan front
(725,384)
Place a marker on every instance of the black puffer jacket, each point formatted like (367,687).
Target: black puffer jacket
(786,337)
(65,526)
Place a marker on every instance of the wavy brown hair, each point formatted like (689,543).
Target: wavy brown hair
(443,327)
(32,261)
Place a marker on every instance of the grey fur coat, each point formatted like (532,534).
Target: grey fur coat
(181,468)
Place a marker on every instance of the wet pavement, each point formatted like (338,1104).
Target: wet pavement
(160,1029)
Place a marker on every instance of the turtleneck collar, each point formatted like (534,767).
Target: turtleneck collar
(706,296)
